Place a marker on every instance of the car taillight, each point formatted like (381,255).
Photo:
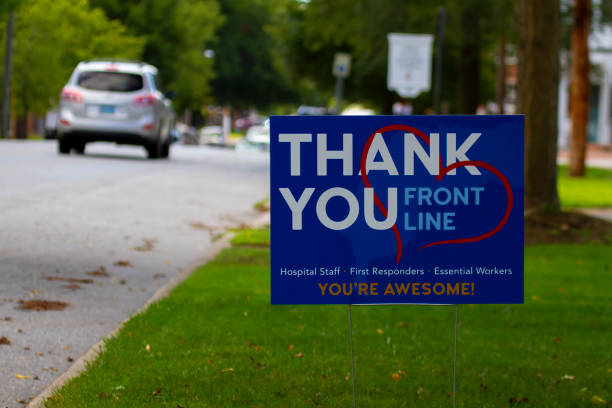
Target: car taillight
(71,95)
(144,100)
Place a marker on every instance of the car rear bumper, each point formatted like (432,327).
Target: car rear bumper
(143,129)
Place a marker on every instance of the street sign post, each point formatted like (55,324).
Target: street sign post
(340,69)
(342,65)
(409,64)
(388,209)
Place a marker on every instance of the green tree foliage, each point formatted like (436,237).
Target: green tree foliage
(51,37)
(361,27)
(176,33)
(250,61)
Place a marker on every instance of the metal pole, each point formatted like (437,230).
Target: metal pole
(339,88)
(455,358)
(440,44)
(5,127)
(352,355)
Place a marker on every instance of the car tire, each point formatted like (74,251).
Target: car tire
(79,148)
(63,146)
(165,150)
(154,150)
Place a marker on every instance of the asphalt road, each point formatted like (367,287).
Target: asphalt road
(112,212)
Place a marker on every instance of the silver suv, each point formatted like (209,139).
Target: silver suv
(115,101)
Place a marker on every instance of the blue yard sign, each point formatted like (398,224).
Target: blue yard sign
(396,209)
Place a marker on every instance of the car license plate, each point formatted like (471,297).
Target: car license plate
(107,109)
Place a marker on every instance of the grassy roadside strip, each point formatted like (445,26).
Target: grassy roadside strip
(216,341)
(594,190)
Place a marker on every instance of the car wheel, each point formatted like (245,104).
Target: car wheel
(154,150)
(63,146)
(79,148)
(165,150)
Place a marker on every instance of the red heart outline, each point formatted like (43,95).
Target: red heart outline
(443,172)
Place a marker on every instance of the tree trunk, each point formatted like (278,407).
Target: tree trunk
(501,75)
(538,93)
(579,92)
(469,60)
(21,131)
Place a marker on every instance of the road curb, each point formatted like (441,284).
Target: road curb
(81,363)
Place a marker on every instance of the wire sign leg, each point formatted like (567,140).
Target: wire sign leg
(455,358)
(352,355)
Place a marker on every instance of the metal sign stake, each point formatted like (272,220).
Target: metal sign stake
(455,358)
(352,355)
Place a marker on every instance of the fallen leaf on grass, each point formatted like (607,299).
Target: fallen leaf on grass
(299,355)
(123,263)
(157,391)
(395,377)
(4,340)
(42,305)
(565,378)
(227,370)
(64,279)
(291,347)
(518,400)
(101,271)
(379,331)
(148,348)
(597,400)
(558,339)
(22,377)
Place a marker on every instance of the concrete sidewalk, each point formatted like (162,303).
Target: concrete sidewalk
(596,156)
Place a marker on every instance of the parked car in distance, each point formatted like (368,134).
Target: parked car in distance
(258,135)
(211,135)
(305,110)
(256,138)
(115,101)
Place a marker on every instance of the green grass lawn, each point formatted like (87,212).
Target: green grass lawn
(217,342)
(594,190)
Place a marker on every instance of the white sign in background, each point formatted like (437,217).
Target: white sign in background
(409,65)
(342,65)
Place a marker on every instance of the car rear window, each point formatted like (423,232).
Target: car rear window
(110,81)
